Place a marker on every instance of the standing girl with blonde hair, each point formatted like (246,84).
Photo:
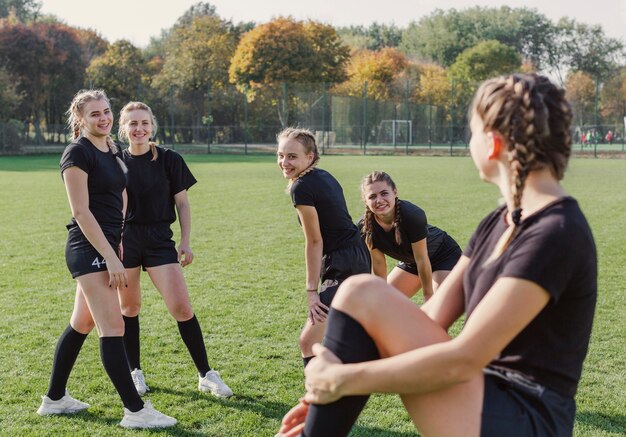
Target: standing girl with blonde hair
(95,180)
(527,283)
(333,249)
(158,180)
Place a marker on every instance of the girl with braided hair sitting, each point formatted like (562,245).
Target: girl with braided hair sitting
(399,229)
(333,249)
(527,284)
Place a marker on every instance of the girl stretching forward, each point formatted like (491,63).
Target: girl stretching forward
(398,228)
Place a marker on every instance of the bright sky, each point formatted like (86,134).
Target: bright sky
(138,20)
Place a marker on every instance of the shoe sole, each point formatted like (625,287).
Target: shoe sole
(208,390)
(58,412)
(144,426)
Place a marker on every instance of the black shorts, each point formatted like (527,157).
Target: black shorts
(81,257)
(148,246)
(339,265)
(513,406)
(445,258)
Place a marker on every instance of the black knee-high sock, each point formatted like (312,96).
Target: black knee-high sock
(305,360)
(347,339)
(131,341)
(113,357)
(67,349)
(191,334)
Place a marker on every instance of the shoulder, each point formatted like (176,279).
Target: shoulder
(411,212)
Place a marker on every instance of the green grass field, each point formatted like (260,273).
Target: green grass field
(246,285)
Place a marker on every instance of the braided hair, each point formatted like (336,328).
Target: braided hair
(533,117)
(307,139)
(75,113)
(123,132)
(369,216)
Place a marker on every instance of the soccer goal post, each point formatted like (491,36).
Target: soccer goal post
(395,130)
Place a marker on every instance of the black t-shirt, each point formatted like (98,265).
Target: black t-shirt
(414,227)
(106,180)
(152,186)
(320,189)
(554,249)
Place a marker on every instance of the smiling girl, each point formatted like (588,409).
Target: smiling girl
(332,243)
(399,229)
(158,180)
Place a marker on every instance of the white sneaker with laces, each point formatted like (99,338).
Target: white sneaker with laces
(140,382)
(65,405)
(147,417)
(211,382)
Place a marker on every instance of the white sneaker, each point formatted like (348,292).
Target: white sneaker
(140,382)
(147,417)
(211,382)
(65,405)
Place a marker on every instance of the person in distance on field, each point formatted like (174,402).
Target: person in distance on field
(158,180)
(95,180)
(399,229)
(332,243)
(527,283)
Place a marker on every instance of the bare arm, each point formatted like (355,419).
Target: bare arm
(508,307)
(420,253)
(185,254)
(379,263)
(78,195)
(313,250)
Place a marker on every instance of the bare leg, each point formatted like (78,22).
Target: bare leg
(406,282)
(310,335)
(170,282)
(397,325)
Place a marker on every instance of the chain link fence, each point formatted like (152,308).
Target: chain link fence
(229,120)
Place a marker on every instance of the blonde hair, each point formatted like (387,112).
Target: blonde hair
(123,134)
(368,219)
(307,139)
(533,117)
(75,113)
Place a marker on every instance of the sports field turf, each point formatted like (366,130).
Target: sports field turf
(246,286)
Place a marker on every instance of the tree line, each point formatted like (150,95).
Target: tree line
(436,60)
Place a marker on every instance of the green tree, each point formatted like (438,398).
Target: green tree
(197,57)
(375,37)
(442,36)
(119,71)
(580,47)
(486,59)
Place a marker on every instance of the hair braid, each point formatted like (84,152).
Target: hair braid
(397,220)
(368,228)
(534,117)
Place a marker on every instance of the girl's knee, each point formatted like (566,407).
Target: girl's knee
(131,310)
(359,290)
(181,312)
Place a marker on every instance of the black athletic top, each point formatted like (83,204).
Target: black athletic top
(152,186)
(554,249)
(106,180)
(413,228)
(320,189)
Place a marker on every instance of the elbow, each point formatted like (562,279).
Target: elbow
(465,366)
